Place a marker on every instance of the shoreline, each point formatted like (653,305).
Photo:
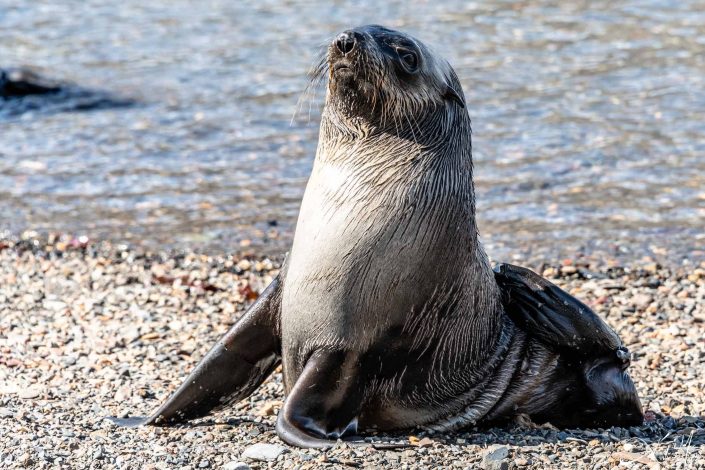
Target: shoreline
(91,329)
(586,253)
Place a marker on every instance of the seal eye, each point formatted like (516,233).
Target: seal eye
(409,59)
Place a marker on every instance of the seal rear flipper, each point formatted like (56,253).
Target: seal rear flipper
(239,362)
(553,316)
(600,393)
(614,396)
(324,403)
(596,392)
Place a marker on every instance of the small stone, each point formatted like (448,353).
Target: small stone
(549,272)
(651,267)
(262,451)
(54,305)
(235,465)
(494,457)
(12,362)
(408,454)
(9,389)
(633,457)
(268,408)
(204,464)
(569,270)
(123,393)
(425,442)
(25,460)
(244,265)
(642,301)
(131,334)
(29,393)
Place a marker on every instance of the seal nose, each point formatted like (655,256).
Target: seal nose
(345,42)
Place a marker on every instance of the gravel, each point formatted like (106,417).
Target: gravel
(89,329)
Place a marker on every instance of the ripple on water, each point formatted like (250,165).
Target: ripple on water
(589,123)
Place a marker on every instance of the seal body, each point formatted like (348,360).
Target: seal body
(391,272)
(387,314)
(386,265)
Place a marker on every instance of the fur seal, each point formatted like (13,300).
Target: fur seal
(16,83)
(23,90)
(387,314)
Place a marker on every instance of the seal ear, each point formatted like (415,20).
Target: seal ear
(452,94)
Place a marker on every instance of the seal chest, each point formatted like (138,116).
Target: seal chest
(360,264)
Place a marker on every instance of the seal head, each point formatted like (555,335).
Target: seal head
(384,76)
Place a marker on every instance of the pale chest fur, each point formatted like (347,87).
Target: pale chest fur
(374,248)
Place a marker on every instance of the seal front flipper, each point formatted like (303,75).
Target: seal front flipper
(552,315)
(324,403)
(239,362)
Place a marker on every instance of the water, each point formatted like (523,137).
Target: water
(588,119)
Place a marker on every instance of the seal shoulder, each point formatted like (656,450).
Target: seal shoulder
(553,316)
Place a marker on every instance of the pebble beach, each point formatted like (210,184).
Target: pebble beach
(90,329)
(159,190)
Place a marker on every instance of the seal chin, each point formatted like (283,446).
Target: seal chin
(342,69)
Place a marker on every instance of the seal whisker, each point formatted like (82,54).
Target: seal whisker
(316,74)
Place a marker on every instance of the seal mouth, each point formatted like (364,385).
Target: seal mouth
(342,67)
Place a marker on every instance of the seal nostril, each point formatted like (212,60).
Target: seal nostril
(345,42)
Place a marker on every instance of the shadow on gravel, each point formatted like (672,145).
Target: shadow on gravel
(685,431)
(688,431)
(231,422)
(23,90)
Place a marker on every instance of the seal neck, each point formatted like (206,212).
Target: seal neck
(442,135)
(433,152)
